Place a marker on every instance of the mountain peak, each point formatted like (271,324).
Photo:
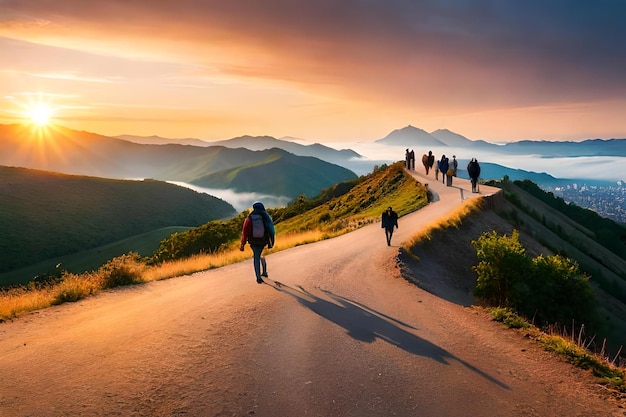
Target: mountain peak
(410,136)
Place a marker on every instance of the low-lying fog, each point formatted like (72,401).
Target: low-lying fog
(608,168)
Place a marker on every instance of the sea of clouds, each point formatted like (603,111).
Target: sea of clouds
(608,168)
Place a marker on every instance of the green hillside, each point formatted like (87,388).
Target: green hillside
(91,259)
(45,215)
(279,173)
(546,228)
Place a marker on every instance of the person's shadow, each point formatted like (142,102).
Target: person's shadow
(366,324)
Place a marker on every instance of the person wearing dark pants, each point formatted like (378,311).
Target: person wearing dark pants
(258,230)
(389,221)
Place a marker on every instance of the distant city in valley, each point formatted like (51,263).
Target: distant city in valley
(609,201)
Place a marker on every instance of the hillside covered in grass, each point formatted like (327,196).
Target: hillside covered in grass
(278,173)
(45,215)
(545,229)
(336,210)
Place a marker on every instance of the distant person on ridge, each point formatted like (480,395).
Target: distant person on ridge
(425,162)
(431,161)
(258,231)
(407,159)
(389,221)
(443,167)
(412,160)
(473,170)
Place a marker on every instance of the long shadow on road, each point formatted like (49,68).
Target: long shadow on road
(366,324)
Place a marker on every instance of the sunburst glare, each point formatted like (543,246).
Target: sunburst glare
(38,109)
(40,114)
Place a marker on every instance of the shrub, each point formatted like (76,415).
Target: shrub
(123,270)
(549,289)
(501,269)
(560,292)
(73,287)
(208,238)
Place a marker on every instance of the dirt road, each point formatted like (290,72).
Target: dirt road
(337,333)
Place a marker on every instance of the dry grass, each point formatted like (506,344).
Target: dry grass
(454,219)
(206,261)
(18,301)
(73,287)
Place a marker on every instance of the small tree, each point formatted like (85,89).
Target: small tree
(501,269)
(560,292)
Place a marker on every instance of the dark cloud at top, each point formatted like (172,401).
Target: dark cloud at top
(499,52)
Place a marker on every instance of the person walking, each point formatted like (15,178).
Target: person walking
(473,170)
(455,165)
(258,230)
(437,164)
(431,161)
(389,221)
(443,167)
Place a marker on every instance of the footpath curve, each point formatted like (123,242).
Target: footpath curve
(336,331)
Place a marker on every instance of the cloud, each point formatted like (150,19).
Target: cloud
(431,57)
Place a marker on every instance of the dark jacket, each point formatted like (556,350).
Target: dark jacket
(443,165)
(390,219)
(473,169)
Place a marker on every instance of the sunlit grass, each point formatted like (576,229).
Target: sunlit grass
(17,301)
(129,269)
(231,255)
(452,220)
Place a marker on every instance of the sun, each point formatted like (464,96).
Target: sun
(40,113)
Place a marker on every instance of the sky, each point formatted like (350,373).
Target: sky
(324,71)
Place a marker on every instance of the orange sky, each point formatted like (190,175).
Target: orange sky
(321,70)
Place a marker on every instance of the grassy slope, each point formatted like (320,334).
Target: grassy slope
(280,173)
(362,204)
(45,215)
(144,244)
(502,216)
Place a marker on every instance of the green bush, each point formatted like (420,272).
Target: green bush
(560,292)
(501,269)
(548,289)
(208,238)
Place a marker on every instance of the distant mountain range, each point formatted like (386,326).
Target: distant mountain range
(257,143)
(268,171)
(262,163)
(413,137)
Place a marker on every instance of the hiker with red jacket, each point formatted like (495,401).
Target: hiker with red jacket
(258,230)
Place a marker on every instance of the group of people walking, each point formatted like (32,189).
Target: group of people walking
(449,168)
